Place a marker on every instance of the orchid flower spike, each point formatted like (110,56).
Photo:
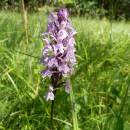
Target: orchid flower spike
(58,54)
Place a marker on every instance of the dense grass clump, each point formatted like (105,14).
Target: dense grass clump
(101,93)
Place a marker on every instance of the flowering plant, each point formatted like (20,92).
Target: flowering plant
(58,54)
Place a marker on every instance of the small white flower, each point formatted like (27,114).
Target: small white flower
(50,95)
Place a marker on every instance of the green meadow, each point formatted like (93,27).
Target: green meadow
(100,97)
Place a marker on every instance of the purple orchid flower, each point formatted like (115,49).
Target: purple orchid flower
(58,54)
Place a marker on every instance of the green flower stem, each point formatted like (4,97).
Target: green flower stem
(74,114)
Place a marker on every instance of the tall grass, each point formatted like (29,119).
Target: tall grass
(101,93)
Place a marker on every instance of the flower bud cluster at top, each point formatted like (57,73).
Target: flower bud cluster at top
(58,54)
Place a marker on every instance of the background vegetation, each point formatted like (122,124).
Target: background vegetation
(115,8)
(101,84)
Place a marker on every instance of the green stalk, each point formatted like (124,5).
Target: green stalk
(25,19)
(52,111)
(74,113)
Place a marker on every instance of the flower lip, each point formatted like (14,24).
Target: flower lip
(50,96)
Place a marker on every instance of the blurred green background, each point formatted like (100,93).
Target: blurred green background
(115,8)
(101,83)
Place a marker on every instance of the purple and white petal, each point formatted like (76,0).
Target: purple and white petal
(46,73)
(58,47)
(52,62)
(64,69)
(62,34)
(49,96)
(47,49)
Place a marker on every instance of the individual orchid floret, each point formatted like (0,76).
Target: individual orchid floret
(58,54)
(62,15)
(50,95)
